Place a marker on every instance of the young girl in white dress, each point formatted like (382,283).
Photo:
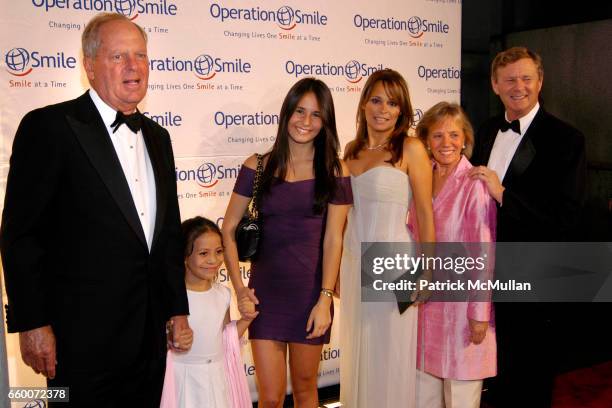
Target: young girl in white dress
(211,374)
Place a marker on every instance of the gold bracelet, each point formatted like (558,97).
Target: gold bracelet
(327,292)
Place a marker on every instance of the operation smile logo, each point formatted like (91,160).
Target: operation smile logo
(165,119)
(129,8)
(416,117)
(438,73)
(208,174)
(21,62)
(204,66)
(415,25)
(285,17)
(353,71)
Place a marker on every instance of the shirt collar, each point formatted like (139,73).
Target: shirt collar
(526,120)
(108,114)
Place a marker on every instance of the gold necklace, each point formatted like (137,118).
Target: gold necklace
(378,146)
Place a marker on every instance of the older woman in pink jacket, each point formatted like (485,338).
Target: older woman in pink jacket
(456,347)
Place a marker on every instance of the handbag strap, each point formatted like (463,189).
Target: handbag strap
(254,205)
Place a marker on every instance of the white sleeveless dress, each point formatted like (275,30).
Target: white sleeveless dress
(377,344)
(199,374)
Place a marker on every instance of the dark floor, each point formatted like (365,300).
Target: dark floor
(589,387)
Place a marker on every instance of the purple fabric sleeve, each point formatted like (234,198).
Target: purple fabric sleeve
(244,182)
(343,193)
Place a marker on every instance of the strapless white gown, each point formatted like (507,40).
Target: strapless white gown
(377,344)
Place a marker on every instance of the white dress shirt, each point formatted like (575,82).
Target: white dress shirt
(506,144)
(136,165)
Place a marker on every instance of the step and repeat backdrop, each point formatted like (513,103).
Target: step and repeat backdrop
(218,74)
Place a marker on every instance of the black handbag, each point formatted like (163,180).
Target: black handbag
(248,231)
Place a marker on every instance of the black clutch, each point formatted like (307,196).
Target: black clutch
(248,231)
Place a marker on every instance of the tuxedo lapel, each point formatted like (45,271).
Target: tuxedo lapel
(93,137)
(523,157)
(156,155)
(526,151)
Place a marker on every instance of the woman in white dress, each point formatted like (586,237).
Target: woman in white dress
(388,169)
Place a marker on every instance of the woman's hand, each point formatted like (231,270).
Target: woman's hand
(247,309)
(494,186)
(422,293)
(246,303)
(478,331)
(420,296)
(320,318)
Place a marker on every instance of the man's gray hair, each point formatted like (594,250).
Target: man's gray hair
(90,40)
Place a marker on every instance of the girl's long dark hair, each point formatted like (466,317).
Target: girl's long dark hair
(396,88)
(326,164)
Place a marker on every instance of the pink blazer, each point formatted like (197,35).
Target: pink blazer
(463,212)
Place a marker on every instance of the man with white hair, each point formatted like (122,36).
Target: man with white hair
(90,239)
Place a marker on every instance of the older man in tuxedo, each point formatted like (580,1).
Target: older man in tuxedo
(90,238)
(534,167)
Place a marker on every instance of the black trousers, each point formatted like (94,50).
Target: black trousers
(138,385)
(526,352)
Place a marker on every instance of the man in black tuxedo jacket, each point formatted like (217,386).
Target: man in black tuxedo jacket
(91,240)
(540,161)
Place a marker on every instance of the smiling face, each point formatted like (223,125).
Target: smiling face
(205,259)
(119,72)
(381,111)
(305,123)
(446,140)
(518,85)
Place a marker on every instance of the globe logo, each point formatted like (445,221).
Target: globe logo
(285,16)
(35,404)
(204,66)
(126,7)
(17,61)
(206,175)
(416,117)
(352,70)
(414,26)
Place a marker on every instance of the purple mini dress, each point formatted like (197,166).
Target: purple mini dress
(287,273)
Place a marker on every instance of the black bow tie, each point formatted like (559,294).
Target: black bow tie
(514,125)
(133,121)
